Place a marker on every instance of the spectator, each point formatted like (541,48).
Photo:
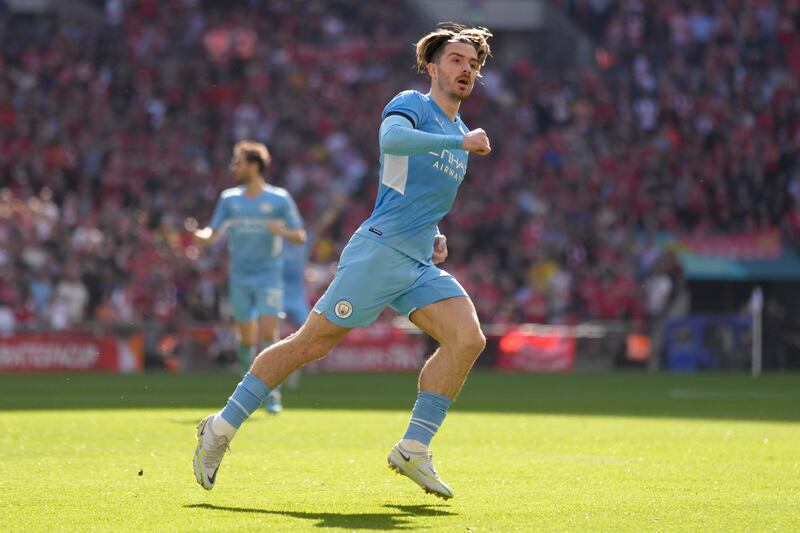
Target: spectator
(71,293)
(112,137)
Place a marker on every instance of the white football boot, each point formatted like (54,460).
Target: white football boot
(208,455)
(419,468)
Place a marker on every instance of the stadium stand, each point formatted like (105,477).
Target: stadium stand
(113,135)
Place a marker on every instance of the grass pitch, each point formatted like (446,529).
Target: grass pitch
(583,452)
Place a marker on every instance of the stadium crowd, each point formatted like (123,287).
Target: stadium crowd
(115,137)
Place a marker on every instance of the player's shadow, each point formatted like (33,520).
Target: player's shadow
(395,517)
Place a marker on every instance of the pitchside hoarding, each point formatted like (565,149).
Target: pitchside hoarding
(532,352)
(69,353)
(380,348)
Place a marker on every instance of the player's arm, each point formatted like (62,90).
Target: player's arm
(399,137)
(205,235)
(290,224)
(294,235)
(210,234)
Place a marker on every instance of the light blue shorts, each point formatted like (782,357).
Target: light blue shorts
(372,276)
(249,302)
(295,304)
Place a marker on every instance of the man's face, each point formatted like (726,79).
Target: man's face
(242,171)
(456,70)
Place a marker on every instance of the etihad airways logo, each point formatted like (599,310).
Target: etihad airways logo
(246,225)
(450,164)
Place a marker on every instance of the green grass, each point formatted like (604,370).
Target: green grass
(582,452)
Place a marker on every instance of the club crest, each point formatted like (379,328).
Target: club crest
(343,309)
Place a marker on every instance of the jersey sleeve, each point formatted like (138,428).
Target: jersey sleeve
(397,137)
(290,214)
(407,104)
(220,214)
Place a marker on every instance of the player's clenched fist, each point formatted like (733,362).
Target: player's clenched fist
(477,142)
(439,249)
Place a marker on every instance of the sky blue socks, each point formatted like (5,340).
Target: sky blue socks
(427,416)
(247,397)
(428,413)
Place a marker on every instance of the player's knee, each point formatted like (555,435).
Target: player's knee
(476,343)
(469,342)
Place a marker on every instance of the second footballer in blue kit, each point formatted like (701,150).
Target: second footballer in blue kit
(257,218)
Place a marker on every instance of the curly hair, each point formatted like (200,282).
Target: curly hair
(430,47)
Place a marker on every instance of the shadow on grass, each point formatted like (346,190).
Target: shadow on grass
(396,516)
(708,396)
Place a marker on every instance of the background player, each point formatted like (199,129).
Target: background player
(295,303)
(390,262)
(257,217)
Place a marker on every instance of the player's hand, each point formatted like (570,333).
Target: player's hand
(277,227)
(477,142)
(439,249)
(203,236)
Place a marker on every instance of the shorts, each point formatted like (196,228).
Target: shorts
(295,305)
(249,302)
(372,276)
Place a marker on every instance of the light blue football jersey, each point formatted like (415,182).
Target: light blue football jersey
(254,252)
(416,191)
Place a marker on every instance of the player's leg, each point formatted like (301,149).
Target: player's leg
(269,334)
(312,341)
(270,307)
(315,339)
(244,310)
(454,324)
(211,446)
(296,309)
(349,302)
(441,308)
(317,336)
(245,349)
(268,330)
(319,333)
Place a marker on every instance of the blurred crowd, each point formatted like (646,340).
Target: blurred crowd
(116,136)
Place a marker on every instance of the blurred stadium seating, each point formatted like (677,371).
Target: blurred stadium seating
(114,132)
